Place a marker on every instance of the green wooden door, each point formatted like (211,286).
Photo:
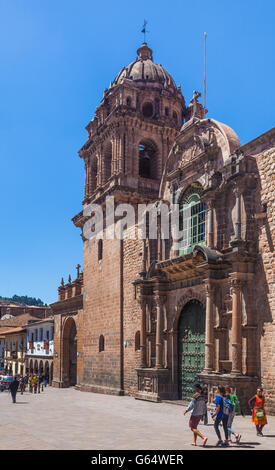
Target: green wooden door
(191,347)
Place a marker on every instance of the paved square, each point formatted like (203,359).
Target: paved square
(68,419)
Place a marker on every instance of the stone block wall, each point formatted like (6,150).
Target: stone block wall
(132,266)
(101,316)
(265,276)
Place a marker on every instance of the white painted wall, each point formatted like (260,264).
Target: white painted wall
(39,333)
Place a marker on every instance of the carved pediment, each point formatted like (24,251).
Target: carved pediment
(200,141)
(191,148)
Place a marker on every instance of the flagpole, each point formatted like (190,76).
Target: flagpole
(204,91)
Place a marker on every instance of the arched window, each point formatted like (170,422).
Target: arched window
(137,341)
(175,117)
(147,110)
(192,222)
(101,343)
(147,159)
(128,101)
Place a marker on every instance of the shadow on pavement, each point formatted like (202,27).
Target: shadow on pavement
(245,445)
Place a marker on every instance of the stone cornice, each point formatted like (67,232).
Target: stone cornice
(118,119)
(265,141)
(73,303)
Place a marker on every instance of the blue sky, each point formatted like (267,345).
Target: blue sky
(57,57)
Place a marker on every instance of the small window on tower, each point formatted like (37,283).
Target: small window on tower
(101,343)
(147,110)
(166,111)
(137,341)
(100,249)
(128,101)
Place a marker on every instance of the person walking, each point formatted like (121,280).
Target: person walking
(235,406)
(257,405)
(13,387)
(31,384)
(22,384)
(221,415)
(26,381)
(35,382)
(45,381)
(42,382)
(198,406)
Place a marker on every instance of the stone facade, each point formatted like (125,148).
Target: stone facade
(141,298)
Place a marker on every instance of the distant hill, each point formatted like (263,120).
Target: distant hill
(23,299)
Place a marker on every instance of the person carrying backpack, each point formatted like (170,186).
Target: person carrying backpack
(232,406)
(198,407)
(221,414)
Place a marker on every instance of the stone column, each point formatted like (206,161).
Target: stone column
(86,166)
(144,257)
(159,328)
(236,327)
(119,168)
(209,328)
(114,156)
(238,223)
(100,167)
(159,241)
(210,224)
(143,304)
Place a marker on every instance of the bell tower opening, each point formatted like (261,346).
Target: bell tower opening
(147,110)
(147,159)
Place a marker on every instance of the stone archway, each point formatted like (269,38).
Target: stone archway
(191,346)
(69,353)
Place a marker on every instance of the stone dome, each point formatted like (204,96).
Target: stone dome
(145,70)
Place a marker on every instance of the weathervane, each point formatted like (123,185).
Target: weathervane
(144,31)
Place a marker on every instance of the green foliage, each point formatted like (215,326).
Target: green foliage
(24,299)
